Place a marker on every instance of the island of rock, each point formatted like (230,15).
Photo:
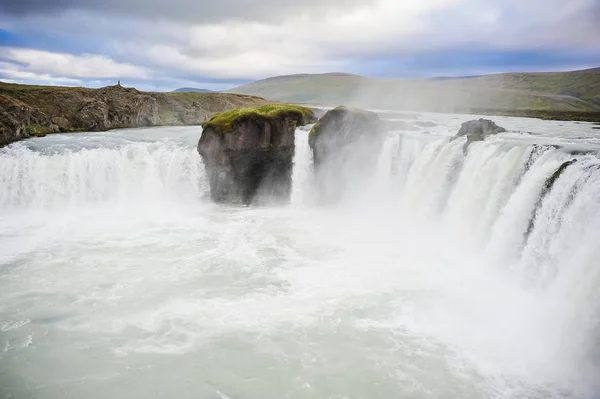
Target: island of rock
(248,153)
(478,130)
(346,145)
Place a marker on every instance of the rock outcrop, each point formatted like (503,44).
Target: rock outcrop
(248,153)
(478,130)
(48,109)
(346,145)
(19,121)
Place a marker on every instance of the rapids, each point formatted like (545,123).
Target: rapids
(452,275)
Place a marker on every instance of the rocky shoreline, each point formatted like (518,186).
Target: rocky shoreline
(29,111)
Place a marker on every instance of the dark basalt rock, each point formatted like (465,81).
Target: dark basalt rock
(248,153)
(478,130)
(346,145)
(548,185)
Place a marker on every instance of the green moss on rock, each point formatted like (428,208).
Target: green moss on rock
(225,121)
(39,130)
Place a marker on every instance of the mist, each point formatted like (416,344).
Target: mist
(275,253)
(420,276)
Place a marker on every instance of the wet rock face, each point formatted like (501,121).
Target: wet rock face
(478,130)
(251,162)
(346,145)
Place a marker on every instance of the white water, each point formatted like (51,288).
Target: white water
(119,279)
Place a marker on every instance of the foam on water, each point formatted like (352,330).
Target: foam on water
(119,279)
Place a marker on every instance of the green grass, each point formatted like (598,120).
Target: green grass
(225,121)
(39,130)
(581,116)
(577,91)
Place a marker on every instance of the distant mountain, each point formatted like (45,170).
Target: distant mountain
(547,91)
(192,90)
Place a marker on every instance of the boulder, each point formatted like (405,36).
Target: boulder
(346,145)
(478,130)
(248,153)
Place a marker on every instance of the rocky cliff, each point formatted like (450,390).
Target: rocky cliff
(248,153)
(27,111)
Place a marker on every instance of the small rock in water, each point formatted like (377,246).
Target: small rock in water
(482,127)
(478,130)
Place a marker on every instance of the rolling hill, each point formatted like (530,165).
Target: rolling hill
(567,92)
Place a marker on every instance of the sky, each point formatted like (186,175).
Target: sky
(166,44)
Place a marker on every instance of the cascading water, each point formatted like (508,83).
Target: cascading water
(131,172)
(457,273)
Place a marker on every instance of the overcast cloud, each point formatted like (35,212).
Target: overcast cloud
(165,44)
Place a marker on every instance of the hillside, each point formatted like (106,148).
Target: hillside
(191,90)
(577,91)
(27,110)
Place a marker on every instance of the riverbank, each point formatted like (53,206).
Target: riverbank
(29,111)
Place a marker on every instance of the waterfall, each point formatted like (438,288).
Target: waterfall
(479,263)
(492,193)
(532,211)
(302,173)
(134,172)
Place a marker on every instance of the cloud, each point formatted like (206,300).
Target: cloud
(251,49)
(20,62)
(186,10)
(233,40)
(517,24)
(390,28)
(11,74)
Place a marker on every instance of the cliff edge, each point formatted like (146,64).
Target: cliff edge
(27,111)
(248,153)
